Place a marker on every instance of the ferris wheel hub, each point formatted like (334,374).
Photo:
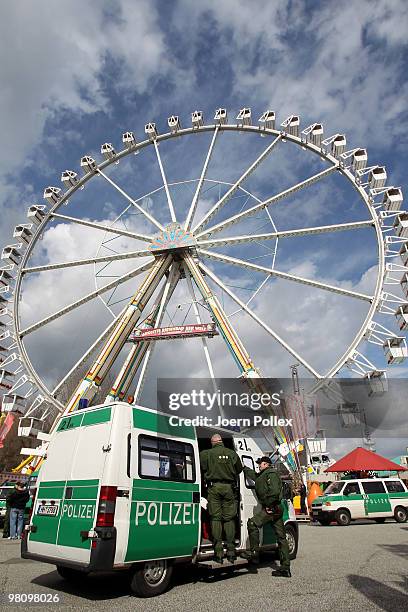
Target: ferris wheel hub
(172,238)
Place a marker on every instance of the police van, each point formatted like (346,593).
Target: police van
(4,491)
(121,488)
(366,498)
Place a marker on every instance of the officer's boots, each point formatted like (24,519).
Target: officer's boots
(282,573)
(251,555)
(231,556)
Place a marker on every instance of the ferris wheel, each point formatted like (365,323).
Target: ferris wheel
(206,233)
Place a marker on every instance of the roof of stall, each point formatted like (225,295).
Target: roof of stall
(361,459)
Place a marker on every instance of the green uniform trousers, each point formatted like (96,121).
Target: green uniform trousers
(260,519)
(222,508)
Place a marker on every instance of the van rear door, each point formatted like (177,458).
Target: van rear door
(246,449)
(69,483)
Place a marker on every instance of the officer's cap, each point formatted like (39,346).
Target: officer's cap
(264,460)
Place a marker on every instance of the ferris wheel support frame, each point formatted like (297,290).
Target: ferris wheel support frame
(171,283)
(88,388)
(136,354)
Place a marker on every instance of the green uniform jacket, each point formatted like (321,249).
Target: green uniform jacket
(268,485)
(220,464)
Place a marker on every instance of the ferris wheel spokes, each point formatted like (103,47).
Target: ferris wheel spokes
(165,184)
(285,275)
(85,262)
(131,200)
(194,202)
(258,320)
(222,201)
(285,234)
(104,228)
(265,203)
(90,296)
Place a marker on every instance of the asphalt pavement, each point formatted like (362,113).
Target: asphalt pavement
(360,567)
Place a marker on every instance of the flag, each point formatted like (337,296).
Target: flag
(5,427)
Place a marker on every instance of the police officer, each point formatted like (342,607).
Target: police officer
(221,466)
(268,489)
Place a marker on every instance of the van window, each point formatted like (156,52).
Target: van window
(165,459)
(352,489)
(374,486)
(395,486)
(334,488)
(249,463)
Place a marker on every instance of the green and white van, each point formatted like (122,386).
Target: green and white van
(121,489)
(4,491)
(366,498)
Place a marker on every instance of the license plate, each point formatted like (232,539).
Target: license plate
(48,510)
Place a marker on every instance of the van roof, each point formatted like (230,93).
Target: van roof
(102,413)
(369,479)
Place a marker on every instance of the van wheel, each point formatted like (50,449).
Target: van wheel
(400,514)
(151,578)
(343,517)
(325,520)
(69,574)
(292,541)
(380,520)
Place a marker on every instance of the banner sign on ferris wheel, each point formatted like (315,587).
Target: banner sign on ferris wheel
(176,331)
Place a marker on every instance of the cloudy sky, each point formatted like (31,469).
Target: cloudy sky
(80,73)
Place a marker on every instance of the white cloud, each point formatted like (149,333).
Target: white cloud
(55,62)
(319,64)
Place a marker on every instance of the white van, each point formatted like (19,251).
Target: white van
(366,498)
(121,488)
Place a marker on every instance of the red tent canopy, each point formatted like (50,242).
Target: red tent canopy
(361,459)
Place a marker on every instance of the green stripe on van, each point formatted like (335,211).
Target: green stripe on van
(82,483)
(48,492)
(70,422)
(160,423)
(165,484)
(52,483)
(97,416)
(93,417)
(85,492)
(163,496)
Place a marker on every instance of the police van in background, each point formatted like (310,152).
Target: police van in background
(366,498)
(5,489)
(121,488)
